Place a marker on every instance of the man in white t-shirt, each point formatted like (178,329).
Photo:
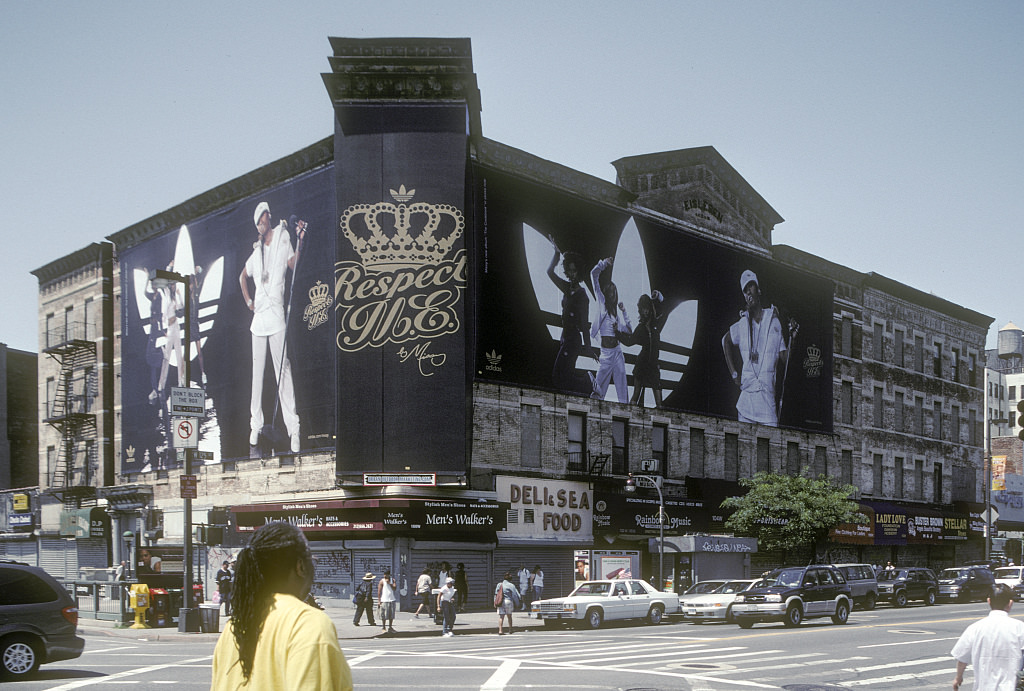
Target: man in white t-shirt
(272,256)
(386,599)
(992,645)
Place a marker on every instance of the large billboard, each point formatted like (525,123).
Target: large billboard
(262,328)
(584,299)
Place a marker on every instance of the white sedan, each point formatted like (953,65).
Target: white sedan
(716,605)
(595,602)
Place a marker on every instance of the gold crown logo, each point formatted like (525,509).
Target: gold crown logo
(131,452)
(407,247)
(320,295)
(814,352)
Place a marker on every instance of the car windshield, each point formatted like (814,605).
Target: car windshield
(733,587)
(591,589)
(704,587)
(1008,572)
(894,575)
(954,573)
(786,577)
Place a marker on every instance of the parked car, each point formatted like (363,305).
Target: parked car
(702,587)
(1010,575)
(793,594)
(863,583)
(966,583)
(38,620)
(899,586)
(716,605)
(594,602)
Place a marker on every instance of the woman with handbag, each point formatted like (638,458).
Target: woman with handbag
(506,600)
(363,600)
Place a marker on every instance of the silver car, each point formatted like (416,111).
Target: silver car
(594,602)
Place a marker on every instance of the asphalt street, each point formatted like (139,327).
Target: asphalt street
(884,649)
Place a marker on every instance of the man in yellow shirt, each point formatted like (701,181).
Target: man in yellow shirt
(274,640)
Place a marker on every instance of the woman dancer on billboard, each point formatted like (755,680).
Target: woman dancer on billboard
(575,340)
(647,371)
(611,321)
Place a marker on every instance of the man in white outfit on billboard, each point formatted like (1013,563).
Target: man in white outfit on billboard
(267,267)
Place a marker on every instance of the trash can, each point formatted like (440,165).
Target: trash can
(209,618)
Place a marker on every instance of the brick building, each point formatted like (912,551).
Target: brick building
(445,405)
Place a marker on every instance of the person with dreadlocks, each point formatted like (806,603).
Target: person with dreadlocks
(275,640)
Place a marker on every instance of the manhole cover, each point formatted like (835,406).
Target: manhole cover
(913,631)
(694,666)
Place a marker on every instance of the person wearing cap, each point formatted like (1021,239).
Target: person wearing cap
(364,600)
(224,578)
(757,355)
(272,256)
(446,606)
(386,601)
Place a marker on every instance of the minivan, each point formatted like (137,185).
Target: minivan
(861,578)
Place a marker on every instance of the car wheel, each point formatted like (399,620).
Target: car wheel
(19,657)
(929,598)
(654,616)
(794,615)
(869,601)
(900,599)
(745,623)
(728,615)
(842,612)
(550,623)
(594,618)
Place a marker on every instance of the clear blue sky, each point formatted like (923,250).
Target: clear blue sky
(888,135)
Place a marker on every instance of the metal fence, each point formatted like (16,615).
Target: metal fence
(107,600)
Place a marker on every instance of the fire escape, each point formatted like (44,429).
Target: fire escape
(72,477)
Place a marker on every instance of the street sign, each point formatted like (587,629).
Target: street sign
(202,455)
(189,487)
(188,402)
(990,515)
(186,432)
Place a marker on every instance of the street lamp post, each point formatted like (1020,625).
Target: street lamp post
(186,621)
(129,538)
(653,482)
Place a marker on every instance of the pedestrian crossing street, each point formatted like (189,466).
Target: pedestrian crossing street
(657,659)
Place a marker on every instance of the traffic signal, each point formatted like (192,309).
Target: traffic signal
(1020,418)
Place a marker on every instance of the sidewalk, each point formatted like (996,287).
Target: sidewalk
(406,626)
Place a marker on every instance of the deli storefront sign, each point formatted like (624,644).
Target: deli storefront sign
(550,510)
(366,517)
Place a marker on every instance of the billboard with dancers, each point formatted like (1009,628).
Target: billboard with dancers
(585,299)
(260,275)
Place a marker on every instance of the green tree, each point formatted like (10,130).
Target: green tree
(791,513)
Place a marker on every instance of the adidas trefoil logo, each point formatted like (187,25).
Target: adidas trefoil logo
(493,361)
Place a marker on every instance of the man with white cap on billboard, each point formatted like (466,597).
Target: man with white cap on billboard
(272,256)
(763,355)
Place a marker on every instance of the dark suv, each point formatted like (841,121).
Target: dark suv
(899,586)
(966,583)
(793,594)
(38,619)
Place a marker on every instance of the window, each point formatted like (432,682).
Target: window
(51,462)
(937,419)
(846,471)
(846,403)
(898,348)
(577,441)
(876,345)
(972,427)
(918,415)
(919,479)
(1012,393)
(696,452)
(529,442)
(972,372)
(897,490)
(87,330)
(764,461)
(878,406)
(919,354)
(51,337)
(954,424)
(620,446)
(732,456)
(847,337)
(659,446)
(820,461)
(51,395)
(937,362)
(898,412)
(69,324)
(937,483)
(792,458)
(954,365)
(876,474)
